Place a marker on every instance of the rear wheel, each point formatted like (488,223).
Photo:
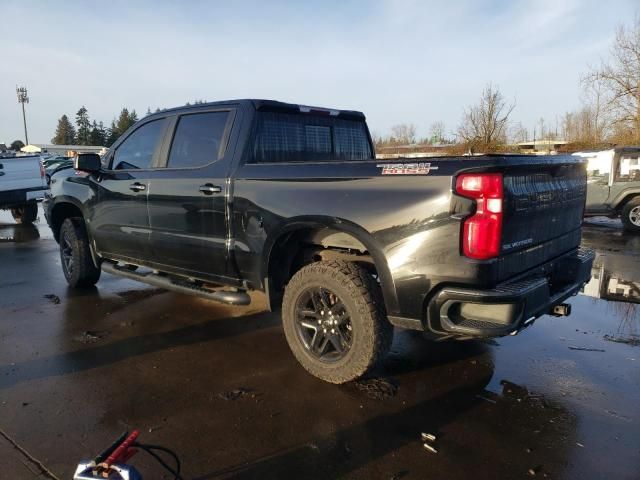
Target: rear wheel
(334,320)
(75,254)
(631,215)
(26,213)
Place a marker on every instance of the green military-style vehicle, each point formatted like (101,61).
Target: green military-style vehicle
(613,185)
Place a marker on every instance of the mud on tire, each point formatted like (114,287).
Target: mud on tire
(351,293)
(75,254)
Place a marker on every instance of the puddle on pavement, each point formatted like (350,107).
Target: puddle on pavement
(15,233)
(587,362)
(18,233)
(615,279)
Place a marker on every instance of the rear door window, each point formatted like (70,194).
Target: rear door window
(288,137)
(138,149)
(199,139)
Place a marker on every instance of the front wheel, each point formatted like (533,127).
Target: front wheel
(334,320)
(75,254)
(26,213)
(631,215)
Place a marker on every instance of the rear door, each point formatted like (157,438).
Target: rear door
(120,220)
(187,199)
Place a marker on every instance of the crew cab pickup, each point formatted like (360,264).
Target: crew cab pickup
(22,185)
(224,198)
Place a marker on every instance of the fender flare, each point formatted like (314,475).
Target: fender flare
(387,283)
(630,192)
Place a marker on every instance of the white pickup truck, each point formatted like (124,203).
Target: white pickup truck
(22,185)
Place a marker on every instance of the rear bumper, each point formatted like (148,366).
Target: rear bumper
(15,198)
(511,306)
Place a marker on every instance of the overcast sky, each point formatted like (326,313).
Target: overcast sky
(398,61)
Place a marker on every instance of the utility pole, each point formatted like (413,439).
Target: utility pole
(22,99)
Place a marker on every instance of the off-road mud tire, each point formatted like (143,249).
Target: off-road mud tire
(82,272)
(360,294)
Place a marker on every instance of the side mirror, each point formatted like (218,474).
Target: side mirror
(87,162)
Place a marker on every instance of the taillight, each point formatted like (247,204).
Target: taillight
(41,170)
(482,232)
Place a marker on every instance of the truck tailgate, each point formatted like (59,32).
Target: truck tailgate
(543,210)
(20,173)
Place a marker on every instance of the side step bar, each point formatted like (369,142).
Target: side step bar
(231,298)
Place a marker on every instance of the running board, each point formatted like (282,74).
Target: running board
(230,298)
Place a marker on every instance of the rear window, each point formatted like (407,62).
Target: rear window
(289,137)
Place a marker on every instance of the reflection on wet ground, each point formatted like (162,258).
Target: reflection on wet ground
(219,385)
(18,233)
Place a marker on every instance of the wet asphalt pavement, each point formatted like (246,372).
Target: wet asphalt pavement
(218,384)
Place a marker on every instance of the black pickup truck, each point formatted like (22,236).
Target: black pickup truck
(223,198)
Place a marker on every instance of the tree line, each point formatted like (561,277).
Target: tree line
(87,132)
(609,114)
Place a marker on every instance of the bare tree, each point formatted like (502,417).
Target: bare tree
(377,139)
(403,133)
(593,97)
(436,132)
(583,126)
(619,82)
(484,125)
(519,133)
(541,130)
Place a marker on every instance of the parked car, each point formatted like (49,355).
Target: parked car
(22,185)
(223,198)
(613,185)
(55,164)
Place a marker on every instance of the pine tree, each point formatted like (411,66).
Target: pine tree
(125,120)
(65,133)
(112,134)
(84,127)
(97,136)
(103,133)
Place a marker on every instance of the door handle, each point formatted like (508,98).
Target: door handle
(137,187)
(208,189)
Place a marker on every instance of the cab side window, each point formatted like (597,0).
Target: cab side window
(198,139)
(136,152)
(628,169)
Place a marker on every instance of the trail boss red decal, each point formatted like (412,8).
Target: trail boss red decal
(406,168)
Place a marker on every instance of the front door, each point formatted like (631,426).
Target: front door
(187,199)
(598,178)
(120,220)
